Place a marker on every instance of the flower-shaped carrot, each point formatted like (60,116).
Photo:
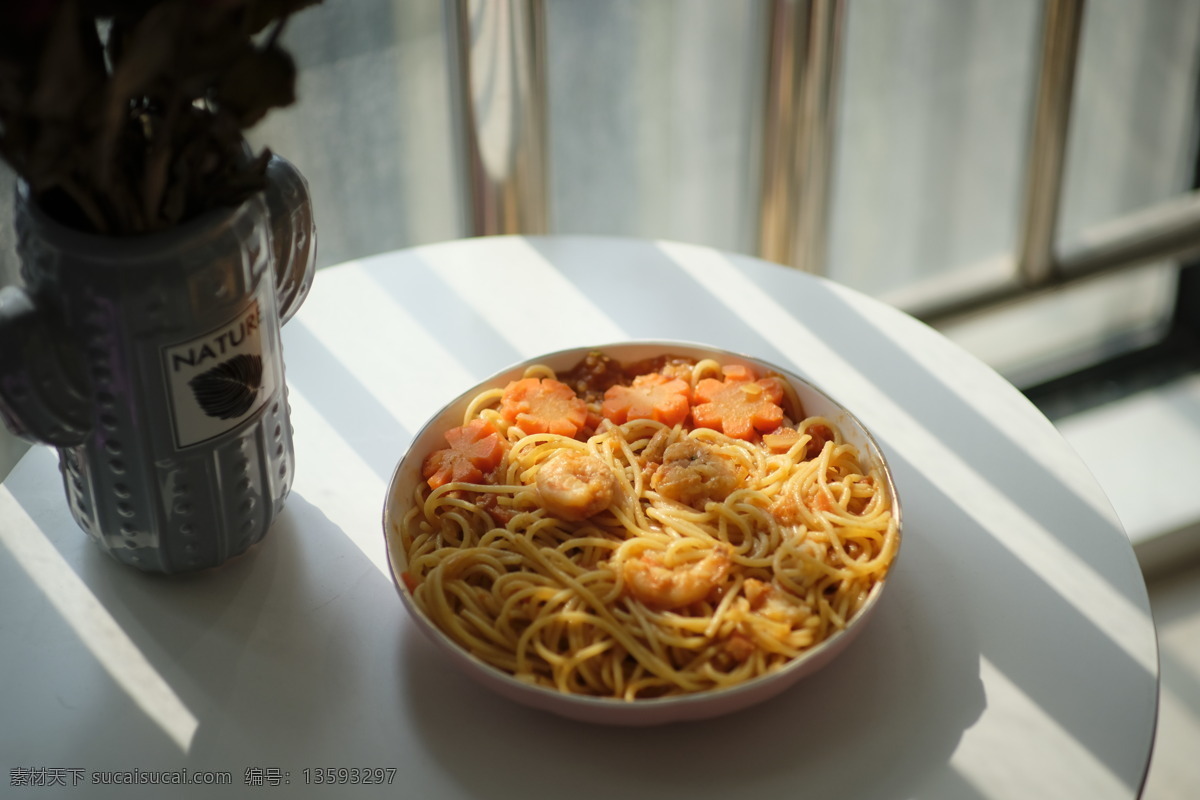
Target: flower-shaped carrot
(738,406)
(652,396)
(475,448)
(543,405)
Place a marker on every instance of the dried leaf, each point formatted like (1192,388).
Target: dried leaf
(262,13)
(258,81)
(70,71)
(129,115)
(147,50)
(24,26)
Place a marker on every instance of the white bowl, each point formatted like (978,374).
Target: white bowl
(699,705)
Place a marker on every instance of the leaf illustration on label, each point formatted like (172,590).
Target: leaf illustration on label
(228,390)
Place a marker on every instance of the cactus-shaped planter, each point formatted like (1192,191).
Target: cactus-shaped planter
(154,365)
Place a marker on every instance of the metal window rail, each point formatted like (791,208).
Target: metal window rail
(501,61)
(502,81)
(803,64)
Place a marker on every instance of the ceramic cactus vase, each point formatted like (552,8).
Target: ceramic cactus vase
(154,365)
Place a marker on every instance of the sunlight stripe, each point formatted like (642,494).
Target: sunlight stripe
(353,338)
(516,310)
(360,521)
(1053,763)
(1128,626)
(93,624)
(1062,462)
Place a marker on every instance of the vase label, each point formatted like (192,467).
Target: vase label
(217,380)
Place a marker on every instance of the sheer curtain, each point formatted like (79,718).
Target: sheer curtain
(655,128)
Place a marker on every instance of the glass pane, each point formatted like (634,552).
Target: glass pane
(1131,145)
(372,126)
(1131,141)
(930,148)
(654,111)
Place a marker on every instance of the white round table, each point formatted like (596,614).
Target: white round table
(1014,655)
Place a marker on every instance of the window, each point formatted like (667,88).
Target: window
(655,127)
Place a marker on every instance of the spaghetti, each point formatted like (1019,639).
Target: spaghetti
(587,533)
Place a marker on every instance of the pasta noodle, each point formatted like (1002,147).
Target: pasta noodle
(642,554)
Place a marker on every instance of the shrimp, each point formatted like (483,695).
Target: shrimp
(573,485)
(659,586)
(656,447)
(757,592)
(740,647)
(693,473)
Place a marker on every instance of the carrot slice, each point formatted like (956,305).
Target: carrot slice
(652,396)
(738,406)
(543,405)
(475,448)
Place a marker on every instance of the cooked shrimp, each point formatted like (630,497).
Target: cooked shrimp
(757,592)
(740,647)
(574,485)
(654,450)
(662,587)
(693,473)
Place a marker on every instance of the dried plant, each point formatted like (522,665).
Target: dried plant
(128,116)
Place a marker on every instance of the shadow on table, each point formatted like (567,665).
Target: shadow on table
(881,721)
(255,649)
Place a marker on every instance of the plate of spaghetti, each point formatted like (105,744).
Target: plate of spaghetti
(642,532)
